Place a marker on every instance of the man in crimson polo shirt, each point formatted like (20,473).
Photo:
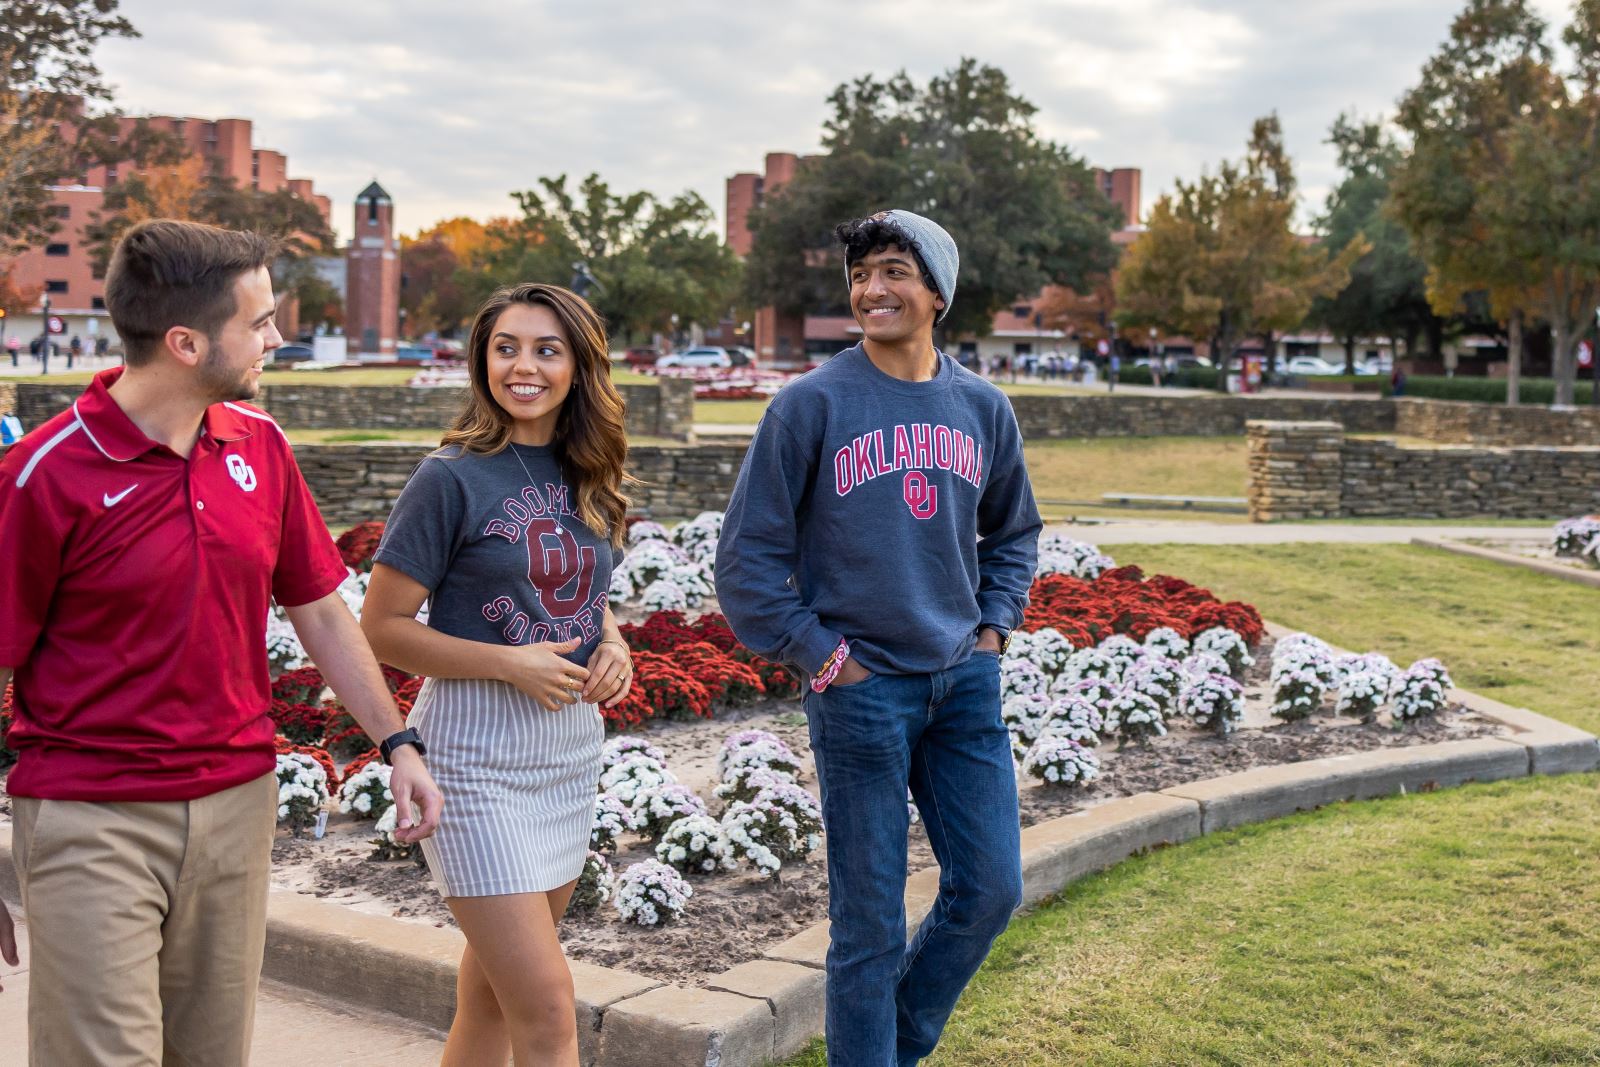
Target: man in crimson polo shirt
(144,533)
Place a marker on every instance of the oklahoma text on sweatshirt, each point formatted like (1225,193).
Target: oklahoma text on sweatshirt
(896,514)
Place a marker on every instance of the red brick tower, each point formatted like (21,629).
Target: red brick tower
(372,286)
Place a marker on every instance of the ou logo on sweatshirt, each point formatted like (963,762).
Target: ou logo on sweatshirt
(921,495)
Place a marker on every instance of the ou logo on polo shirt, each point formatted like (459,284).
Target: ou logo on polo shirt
(242,473)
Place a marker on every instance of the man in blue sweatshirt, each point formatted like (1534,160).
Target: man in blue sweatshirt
(881,539)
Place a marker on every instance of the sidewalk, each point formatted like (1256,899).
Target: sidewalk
(28,367)
(293,1029)
(1206,533)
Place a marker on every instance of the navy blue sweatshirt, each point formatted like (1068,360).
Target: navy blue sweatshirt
(895,514)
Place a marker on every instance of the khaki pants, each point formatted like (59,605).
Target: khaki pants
(146,923)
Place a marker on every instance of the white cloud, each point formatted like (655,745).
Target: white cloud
(454,105)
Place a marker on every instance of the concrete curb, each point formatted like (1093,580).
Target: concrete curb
(1511,559)
(770,1008)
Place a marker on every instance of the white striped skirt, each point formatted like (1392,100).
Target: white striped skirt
(519,784)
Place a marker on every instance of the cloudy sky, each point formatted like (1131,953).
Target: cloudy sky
(453,105)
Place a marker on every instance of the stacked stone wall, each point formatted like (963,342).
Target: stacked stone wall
(1458,422)
(1144,415)
(1310,470)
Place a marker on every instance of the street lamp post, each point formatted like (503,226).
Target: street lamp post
(44,342)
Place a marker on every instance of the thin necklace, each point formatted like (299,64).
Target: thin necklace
(512,445)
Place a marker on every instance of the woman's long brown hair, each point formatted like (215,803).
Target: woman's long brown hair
(591,441)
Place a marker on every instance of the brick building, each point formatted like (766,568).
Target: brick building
(791,340)
(61,267)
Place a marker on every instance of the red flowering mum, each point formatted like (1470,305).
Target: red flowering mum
(8,755)
(302,724)
(303,685)
(725,678)
(661,632)
(670,691)
(367,756)
(405,696)
(1122,601)
(776,679)
(394,677)
(357,545)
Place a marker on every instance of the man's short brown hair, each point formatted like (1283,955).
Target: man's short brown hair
(166,273)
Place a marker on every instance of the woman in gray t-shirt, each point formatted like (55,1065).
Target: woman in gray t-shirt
(508,532)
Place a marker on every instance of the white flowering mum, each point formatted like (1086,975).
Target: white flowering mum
(1576,536)
(612,819)
(1122,650)
(1089,663)
(621,748)
(621,589)
(1059,760)
(651,894)
(745,782)
(1021,677)
(366,793)
(1213,701)
(696,844)
(1157,677)
(596,883)
(768,752)
(767,835)
(663,594)
(1060,554)
(793,798)
(1302,652)
(1227,643)
(302,790)
(1073,717)
(1364,663)
(1199,664)
(388,847)
(284,651)
(1360,694)
(1417,695)
(1429,668)
(1045,648)
(695,580)
(1167,642)
(704,528)
(1023,715)
(659,807)
(627,779)
(640,532)
(1133,717)
(1297,692)
(1097,691)
(353,590)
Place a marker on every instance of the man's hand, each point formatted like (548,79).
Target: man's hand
(851,672)
(413,789)
(988,640)
(8,937)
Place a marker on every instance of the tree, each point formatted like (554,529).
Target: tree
(1220,260)
(1502,188)
(184,192)
(962,150)
(1387,293)
(49,132)
(653,258)
(430,290)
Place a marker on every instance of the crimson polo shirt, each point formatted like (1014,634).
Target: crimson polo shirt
(134,591)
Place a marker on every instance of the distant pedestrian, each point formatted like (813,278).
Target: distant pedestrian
(1113,370)
(14,346)
(1397,382)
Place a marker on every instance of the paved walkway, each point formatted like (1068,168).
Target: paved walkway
(27,366)
(1218,533)
(293,1028)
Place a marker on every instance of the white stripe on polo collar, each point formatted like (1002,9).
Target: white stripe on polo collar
(268,419)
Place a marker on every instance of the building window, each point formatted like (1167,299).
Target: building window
(111,175)
(55,286)
(372,212)
(63,211)
(98,303)
(58,249)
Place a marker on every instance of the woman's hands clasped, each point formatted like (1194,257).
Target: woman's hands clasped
(610,673)
(544,673)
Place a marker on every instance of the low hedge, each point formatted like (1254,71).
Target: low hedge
(1488,390)
(1187,378)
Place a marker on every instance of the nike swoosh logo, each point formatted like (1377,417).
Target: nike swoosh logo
(109,500)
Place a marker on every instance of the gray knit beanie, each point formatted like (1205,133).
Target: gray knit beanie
(934,247)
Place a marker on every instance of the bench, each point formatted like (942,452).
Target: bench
(1169,501)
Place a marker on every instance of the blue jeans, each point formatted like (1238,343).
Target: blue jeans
(942,735)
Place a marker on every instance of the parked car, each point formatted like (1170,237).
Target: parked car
(742,356)
(287,355)
(704,356)
(641,357)
(1311,365)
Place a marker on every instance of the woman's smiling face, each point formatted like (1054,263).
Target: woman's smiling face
(530,368)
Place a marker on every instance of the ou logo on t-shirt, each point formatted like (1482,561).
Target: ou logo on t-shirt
(242,473)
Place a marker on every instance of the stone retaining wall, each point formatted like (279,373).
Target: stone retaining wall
(1459,422)
(1308,470)
(355,483)
(665,409)
(1075,415)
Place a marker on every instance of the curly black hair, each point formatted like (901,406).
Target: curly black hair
(864,237)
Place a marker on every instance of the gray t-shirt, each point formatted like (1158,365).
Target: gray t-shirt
(502,551)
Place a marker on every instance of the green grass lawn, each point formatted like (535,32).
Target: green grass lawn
(1081,469)
(1445,928)
(353,376)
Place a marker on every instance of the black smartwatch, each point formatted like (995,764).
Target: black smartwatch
(407,736)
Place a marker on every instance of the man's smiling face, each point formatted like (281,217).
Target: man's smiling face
(888,297)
